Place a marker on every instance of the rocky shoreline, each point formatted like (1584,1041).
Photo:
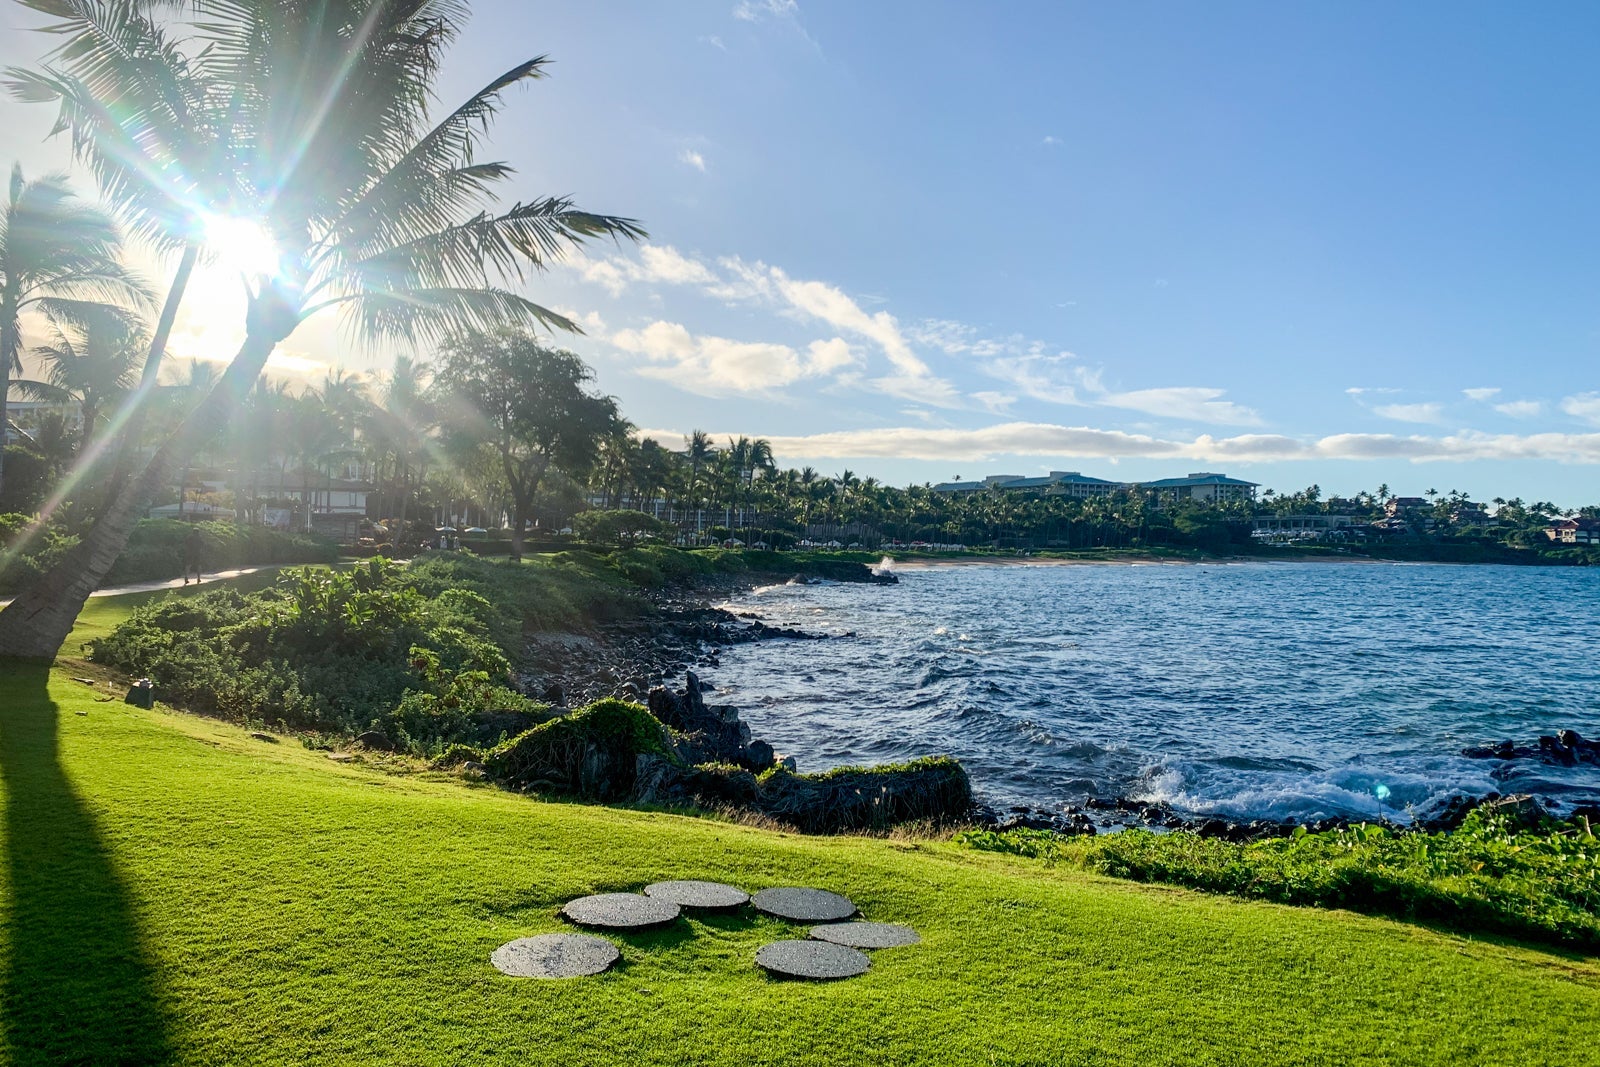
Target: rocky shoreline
(642,658)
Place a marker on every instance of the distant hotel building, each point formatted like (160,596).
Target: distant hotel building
(1202,485)
(1060,483)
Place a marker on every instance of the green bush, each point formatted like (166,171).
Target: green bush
(1484,876)
(324,650)
(591,752)
(934,789)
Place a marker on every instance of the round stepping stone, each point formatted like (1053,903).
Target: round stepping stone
(698,894)
(866,935)
(804,905)
(620,911)
(555,956)
(816,960)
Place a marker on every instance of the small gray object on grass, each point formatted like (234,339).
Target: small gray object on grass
(620,911)
(804,905)
(866,935)
(692,894)
(816,960)
(555,956)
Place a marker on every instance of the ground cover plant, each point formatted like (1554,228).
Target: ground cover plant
(179,891)
(1487,875)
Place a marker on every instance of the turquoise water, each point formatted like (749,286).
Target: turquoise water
(1250,690)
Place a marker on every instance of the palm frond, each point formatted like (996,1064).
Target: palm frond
(430,315)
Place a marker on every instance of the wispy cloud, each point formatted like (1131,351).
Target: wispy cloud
(1521,409)
(1028,368)
(1481,394)
(1584,406)
(1186,403)
(1424,412)
(1050,139)
(693,159)
(1081,442)
(756,10)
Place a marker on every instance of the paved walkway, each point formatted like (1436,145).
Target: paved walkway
(174,583)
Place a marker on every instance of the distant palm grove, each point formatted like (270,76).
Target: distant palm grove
(503,433)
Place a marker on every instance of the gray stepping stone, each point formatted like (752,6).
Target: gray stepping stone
(804,905)
(620,911)
(816,960)
(698,894)
(866,935)
(555,956)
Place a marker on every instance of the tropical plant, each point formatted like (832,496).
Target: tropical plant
(315,128)
(528,404)
(93,358)
(58,256)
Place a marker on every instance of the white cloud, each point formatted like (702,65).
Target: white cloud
(715,42)
(1061,379)
(1050,139)
(912,379)
(1521,409)
(1480,394)
(1428,412)
(1082,442)
(827,357)
(753,10)
(1584,406)
(660,264)
(693,159)
(1189,403)
(717,366)
(710,366)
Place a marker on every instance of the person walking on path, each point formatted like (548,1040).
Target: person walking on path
(193,548)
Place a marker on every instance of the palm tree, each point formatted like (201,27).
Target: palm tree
(58,256)
(93,359)
(378,212)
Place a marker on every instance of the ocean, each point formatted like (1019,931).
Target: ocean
(1248,690)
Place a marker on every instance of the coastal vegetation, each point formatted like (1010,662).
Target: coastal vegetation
(183,891)
(1490,875)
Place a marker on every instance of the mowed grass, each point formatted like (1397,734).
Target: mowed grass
(176,891)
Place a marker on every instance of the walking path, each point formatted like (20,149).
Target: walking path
(174,583)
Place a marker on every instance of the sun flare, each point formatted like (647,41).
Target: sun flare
(242,246)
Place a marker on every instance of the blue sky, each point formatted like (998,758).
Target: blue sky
(1343,244)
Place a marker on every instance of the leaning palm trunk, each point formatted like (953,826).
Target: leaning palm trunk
(35,625)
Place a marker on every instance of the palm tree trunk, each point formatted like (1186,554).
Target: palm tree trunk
(37,622)
(8,344)
(152,368)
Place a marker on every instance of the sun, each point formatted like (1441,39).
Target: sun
(242,246)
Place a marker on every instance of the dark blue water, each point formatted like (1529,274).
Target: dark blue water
(1251,690)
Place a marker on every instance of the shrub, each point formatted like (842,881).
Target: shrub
(591,752)
(1484,876)
(934,789)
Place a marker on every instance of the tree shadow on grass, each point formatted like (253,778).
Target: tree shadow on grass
(77,985)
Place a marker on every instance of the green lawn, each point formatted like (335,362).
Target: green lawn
(179,892)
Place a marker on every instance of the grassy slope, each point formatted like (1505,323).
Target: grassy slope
(179,891)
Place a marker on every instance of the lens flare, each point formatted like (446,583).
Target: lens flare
(242,246)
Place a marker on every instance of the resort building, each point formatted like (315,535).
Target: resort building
(24,418)
(1574,531)
(1205,486)
(1309,528)
(1058,483)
